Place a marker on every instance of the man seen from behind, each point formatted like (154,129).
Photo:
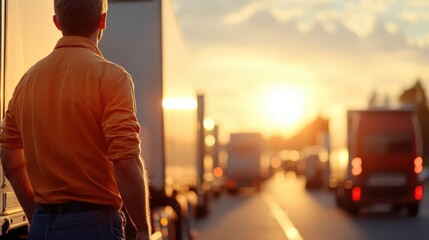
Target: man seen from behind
(70,141)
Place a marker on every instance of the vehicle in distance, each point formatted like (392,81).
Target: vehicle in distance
(245,165)
(289,160)
(382,163)
(313,162)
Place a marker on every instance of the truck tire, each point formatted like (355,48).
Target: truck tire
(344,200)
(353,209)
(205,208)
(413,209)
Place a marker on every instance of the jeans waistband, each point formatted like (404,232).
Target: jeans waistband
(70,207)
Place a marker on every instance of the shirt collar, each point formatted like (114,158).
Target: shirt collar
(77,41)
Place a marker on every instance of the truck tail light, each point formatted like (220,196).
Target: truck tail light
(418,165)
(218,172)
(418,192)
(356,166)
(356,194)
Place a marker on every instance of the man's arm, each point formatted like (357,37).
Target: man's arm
(14,168)
(131,178)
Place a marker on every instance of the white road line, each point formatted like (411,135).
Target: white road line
(285,223)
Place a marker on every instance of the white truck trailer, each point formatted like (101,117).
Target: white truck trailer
(27,35)
(144,38)
(245,166)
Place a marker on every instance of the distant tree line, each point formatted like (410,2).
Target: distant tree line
(416,96)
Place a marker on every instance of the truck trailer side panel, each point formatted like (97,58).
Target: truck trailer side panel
(133,40)
(22,45)
(144,38)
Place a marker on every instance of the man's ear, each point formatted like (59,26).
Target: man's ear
(56,22)
(103,21)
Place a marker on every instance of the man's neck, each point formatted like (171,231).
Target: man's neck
(95,37)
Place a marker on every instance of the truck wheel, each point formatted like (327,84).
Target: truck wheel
(206,207)
(340,199)
(202,211)
(353,209)
(413,209)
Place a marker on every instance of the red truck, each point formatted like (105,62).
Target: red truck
(383,163)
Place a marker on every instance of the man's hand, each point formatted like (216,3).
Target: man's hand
(132,183)
(15,171)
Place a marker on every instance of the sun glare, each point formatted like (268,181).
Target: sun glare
(285,106)
(179,103)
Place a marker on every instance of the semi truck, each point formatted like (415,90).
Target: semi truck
(382,161)
(145,38)
(246,165)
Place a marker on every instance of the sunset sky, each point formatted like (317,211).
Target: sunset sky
(274,65)
(252,59)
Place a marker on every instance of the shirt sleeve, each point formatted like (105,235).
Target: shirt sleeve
(10,136)
(119,121)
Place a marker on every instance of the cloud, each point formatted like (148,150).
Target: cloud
(358,16)
(362,24)
(329,47)
(417,3)
(409,17)
(245,13)
(287,15)
(354,17)
(391,27)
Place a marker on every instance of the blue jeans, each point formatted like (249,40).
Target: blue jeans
(86,225)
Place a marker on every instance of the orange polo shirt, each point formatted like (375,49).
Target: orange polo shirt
(73,113)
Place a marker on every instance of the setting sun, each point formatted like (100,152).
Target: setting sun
(285,106)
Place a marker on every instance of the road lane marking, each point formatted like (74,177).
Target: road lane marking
(285,223)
